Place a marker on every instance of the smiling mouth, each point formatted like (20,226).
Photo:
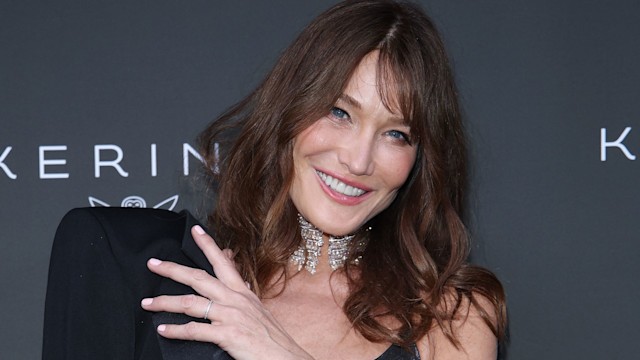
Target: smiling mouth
(338,186)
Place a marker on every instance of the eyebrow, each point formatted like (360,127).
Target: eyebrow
(351,101)
(356,104)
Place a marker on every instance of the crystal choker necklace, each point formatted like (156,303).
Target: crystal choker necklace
(307,254)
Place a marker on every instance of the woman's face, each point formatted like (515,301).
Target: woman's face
(350,163)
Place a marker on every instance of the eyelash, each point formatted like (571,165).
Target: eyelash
(403,136)
(340,114)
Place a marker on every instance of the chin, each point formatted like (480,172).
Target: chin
(337,226)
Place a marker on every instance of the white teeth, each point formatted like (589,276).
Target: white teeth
(338,186)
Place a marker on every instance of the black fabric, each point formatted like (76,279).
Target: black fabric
(395,352)
(98,276)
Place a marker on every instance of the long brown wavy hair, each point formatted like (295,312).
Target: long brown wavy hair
(414,268)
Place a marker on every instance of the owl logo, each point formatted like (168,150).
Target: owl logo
(135,201)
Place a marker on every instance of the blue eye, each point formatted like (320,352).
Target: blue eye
(399,135)
(339,113)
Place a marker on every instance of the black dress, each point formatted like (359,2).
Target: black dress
(98,276)
(395,352)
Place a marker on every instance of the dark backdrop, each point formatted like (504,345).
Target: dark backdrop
(548,89)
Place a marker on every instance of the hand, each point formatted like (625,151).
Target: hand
(240,324)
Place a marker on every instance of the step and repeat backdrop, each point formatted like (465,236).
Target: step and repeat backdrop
(101,101)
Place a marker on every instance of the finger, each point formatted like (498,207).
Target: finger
(192,305)
(228,253)
(190,331)
(224,268)
(198,279)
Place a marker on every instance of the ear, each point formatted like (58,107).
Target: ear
(167,204)
(97,202)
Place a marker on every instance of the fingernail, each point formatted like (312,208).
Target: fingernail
(162,328)
(154,261)
(199,229)
(147,301)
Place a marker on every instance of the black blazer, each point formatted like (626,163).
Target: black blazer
(98,276)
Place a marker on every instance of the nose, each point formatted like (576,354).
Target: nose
(357,154)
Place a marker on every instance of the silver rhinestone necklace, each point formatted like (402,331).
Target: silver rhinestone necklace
(309,251)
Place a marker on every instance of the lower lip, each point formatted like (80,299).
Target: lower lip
(342,198)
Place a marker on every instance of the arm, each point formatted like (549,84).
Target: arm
(97,276)
(82,269)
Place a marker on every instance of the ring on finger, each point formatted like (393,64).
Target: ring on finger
(206,312)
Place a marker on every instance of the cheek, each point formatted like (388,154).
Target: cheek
(309,141)
(397,166)
(306,145)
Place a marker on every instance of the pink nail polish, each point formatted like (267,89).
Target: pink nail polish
(154,261)
(199,229)
(147,301)
(162,328)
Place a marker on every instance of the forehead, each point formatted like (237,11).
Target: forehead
(371,86)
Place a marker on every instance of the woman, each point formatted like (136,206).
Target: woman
(357,127)
(340,203)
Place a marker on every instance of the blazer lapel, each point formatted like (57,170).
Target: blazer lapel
(189,247)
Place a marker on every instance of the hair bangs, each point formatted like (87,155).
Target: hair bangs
(403,85)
